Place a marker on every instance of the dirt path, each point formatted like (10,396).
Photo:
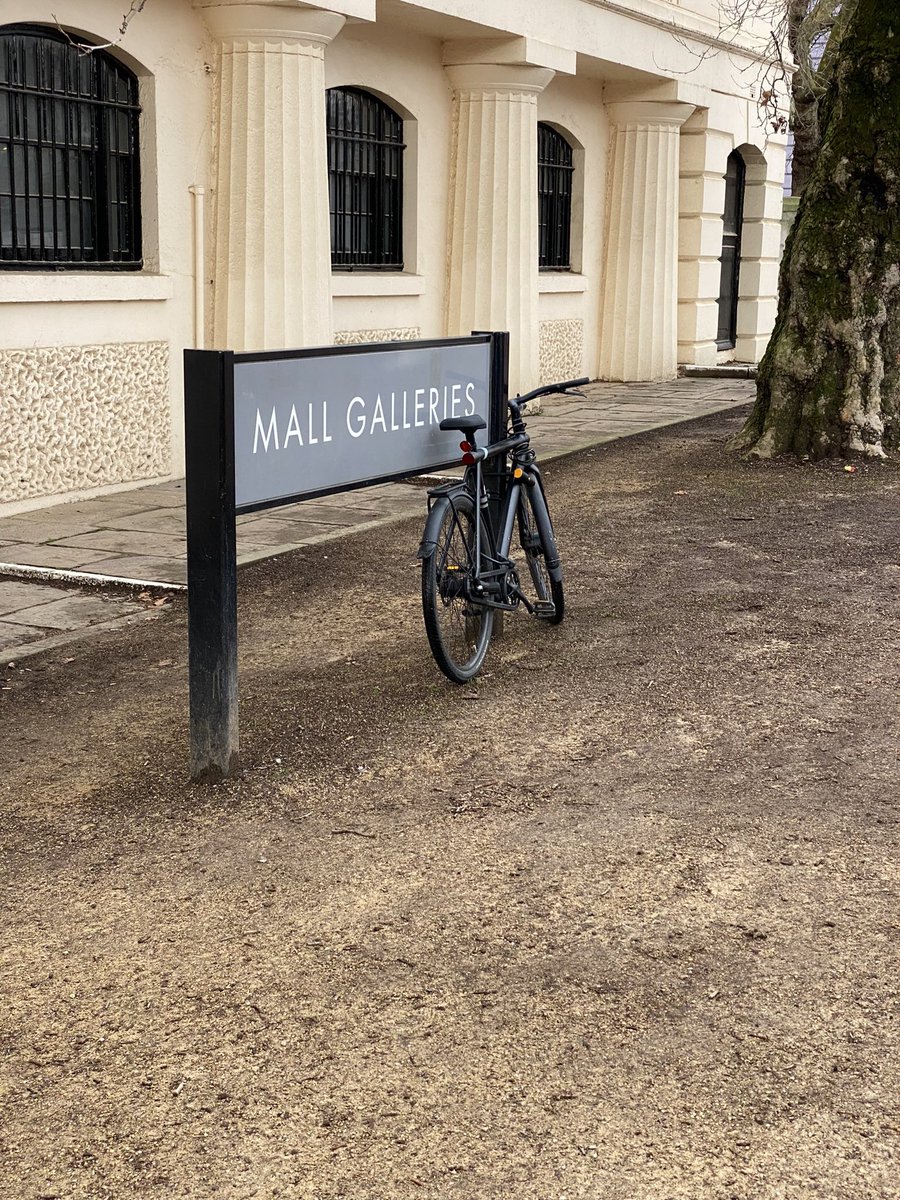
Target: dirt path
(620,922)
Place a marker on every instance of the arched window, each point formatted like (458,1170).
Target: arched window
(555,171)
(69,162)
(735,175)
(365,181)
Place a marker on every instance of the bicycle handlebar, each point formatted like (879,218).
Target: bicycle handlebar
(548,390)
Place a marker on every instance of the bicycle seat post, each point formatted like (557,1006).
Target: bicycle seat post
(469,426)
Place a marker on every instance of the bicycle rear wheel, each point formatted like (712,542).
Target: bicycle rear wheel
(459,630)
(550,605)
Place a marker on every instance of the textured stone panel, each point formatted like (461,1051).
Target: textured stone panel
(354,337)
(562,350)
(80,417)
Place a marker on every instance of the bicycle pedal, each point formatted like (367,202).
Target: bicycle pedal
(544,608)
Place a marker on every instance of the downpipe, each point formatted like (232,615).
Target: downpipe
(198,220)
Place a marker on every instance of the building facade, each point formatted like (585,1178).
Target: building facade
(590,175)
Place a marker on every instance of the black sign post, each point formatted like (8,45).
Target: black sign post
(271,428)
(495,468)
(211,563)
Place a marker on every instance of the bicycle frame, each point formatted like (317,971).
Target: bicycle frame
(491,571)
(522,468)
(467,572)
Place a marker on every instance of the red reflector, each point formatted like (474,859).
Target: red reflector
(468,458)
(465,446)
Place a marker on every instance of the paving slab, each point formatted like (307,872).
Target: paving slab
(13,529)
(359,498)
(15,596)
(169,520)
(46,555)
(271,531)
(171,492)
(70,612)
(125,541)
(12,635)
(321,514)
(50,523)
(119,504)
(142,568)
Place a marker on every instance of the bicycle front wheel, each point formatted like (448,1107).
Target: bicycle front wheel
(459,629)
(538,548)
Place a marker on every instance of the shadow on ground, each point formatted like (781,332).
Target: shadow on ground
(618,922)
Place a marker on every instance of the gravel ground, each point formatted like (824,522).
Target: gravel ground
(619,921)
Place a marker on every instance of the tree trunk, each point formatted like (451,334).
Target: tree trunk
(804,95)
(829,382)
(805,128)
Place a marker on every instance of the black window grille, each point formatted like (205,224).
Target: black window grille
(365,181)
(555,171)
(735,175)
(69,163)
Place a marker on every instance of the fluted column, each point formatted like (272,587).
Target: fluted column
(638,329)
(272,259)
(493,235)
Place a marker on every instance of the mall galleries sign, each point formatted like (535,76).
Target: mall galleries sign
(272,428)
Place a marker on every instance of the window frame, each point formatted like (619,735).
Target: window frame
(96,98)
(555,203)
(373,240)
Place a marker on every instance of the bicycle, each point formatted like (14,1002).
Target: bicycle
(467,572)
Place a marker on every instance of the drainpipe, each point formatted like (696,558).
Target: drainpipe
(199,222)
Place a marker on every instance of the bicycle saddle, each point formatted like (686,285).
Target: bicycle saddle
(465,424)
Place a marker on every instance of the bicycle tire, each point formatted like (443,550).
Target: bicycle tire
(458,630)
(537,551)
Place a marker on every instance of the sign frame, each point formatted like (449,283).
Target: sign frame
(342,352)
(211,509)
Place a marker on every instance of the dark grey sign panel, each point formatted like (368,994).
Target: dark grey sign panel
(314,423)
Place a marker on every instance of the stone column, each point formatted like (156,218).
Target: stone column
(493,235)
(638,328)
(704,153)
(272,259)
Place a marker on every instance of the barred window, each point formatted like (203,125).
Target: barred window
(365,181)
(69,164)
(555,171)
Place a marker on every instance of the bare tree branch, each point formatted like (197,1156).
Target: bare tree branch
(137,6)
(792,77)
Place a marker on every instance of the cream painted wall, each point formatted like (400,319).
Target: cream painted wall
(169,50)
(406,71)
(703,8)
(575,108)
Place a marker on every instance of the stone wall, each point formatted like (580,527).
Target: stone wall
(561,350)
(83,417)
(355,337)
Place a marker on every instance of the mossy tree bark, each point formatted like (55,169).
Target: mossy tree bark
(829,382)
(803,23)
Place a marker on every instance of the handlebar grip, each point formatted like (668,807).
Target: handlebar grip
(547,390)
